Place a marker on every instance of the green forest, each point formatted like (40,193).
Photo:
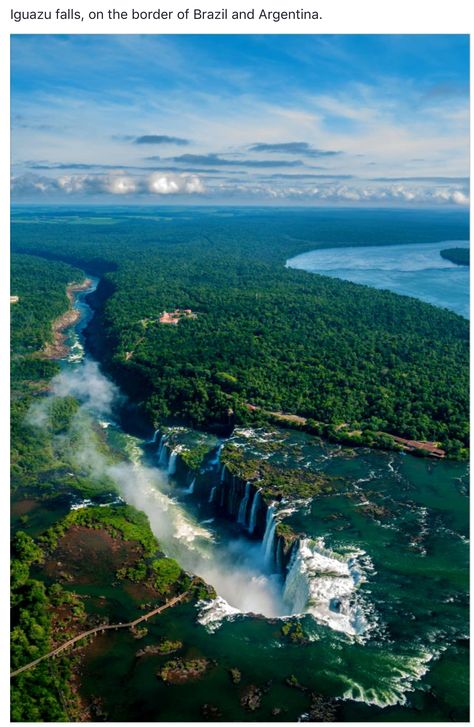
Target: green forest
(45,479)
(264,335)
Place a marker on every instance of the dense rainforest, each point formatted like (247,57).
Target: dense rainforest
(46,479)
(457,255)
(262,334)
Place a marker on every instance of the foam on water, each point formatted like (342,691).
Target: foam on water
(322,583)
(213,613)
(393,686)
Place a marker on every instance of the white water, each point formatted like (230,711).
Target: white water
(243,505)
(172,462)
(190,489)
(217,459)
(323,584)
(163,452)
(212,496)
(253,512)
(269,536)
(154,437)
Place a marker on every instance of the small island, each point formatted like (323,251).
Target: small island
(457,255)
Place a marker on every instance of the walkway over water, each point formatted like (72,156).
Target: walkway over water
(101,629)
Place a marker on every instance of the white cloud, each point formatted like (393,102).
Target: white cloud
(115,184)
(162,183)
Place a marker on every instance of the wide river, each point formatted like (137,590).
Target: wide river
(416,270)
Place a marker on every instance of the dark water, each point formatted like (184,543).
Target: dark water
(417,270)
(401,522)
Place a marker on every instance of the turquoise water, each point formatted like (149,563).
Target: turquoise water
(416,270)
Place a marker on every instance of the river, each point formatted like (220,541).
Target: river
(379,582)
(417,270)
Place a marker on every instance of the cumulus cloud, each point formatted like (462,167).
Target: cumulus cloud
(390,194)
(357,193)
(309,189)
(159,183)
(116,184)
(293,147)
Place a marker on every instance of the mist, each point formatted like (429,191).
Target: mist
(234,567)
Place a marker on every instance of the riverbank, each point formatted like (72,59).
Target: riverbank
(57,348)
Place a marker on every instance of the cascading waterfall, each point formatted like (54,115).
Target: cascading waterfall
(217,459)
(322,583)
(190,489)
(154,437)
(241,518)
(253,512)
(269,536)
(163,452)
(279,556)
(212,495)
(172,462)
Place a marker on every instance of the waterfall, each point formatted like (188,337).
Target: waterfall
(231,497)
(322,583)
(223,473)
(253,512)
(217,459)
(172,462)
(212,495)
(190,489)
(269,536)
(154,437)
(163,452)
(279,556)
(241,518)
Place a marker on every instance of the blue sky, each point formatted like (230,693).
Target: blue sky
(274,119)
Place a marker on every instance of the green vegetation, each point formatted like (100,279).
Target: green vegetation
(42,447)
(119,520)
(292,631)
(275,482)
(62,412)
(457,255)
(43,694)
(276,338)
(193,457)
(168,647)
(165,573)
(41,287)
(179,671)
